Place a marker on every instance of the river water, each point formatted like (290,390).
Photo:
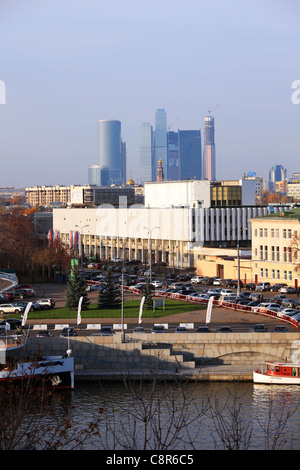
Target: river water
(201,416)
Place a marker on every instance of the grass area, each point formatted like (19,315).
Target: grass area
(131,310)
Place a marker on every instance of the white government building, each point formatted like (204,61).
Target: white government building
(174,223)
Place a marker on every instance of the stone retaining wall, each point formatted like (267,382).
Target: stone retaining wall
(171,351)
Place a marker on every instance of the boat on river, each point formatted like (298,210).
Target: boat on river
(278,373)
(53,371)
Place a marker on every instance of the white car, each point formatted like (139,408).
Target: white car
(197,280)
(156,283)
(217,281)
(11,308)
(227,292)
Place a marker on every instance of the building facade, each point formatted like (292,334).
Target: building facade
(189,154)
(147,161)
(275,248)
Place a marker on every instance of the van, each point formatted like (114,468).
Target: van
(228,298)
(263,286)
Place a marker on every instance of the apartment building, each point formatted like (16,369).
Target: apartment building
(275,248)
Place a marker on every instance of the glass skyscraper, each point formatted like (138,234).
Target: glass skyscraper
(110,152)
(147,161)
(189,155)
(209,151)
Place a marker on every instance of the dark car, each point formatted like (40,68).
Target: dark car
(225,329)
(276,287)
(158,329)
(234,283)
(14,323)
(106,331)
(23,303)
(203,329)
(181,329)
(44,334)
(250,286)
(259,329)
(68,331)
(280,328)
(289,303)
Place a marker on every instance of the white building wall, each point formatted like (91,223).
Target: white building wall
(177,193)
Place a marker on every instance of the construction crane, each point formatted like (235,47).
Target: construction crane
(210,110)
(170,126)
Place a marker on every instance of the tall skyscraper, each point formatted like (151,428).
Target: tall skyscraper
(160,139)
(110,153)
(94,175)
(277,173)
(147,161)
(189,154)
(173,157)
(209,151)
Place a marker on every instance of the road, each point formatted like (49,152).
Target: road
(238,321)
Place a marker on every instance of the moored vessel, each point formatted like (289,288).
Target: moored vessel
(278,373)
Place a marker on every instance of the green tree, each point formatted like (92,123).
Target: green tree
(76,288)
(147,292)
(109,296)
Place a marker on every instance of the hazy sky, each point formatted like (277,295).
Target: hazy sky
(68,63)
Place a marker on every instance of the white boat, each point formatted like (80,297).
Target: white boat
(53,371)
(278,373)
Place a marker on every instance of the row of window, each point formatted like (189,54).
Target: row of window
(272,253)
(275,233)
(275,274)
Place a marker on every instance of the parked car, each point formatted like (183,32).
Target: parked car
(43,334)
(139,329)
(46,303)
(197,280)
(259,329)
(250,286)
(225,329)
(14,323)
(227,292)
(217,281)
(280,329)
(288,290)
(278,298)
(106,331)
(290,312)
(157,284)
(263,286)
(276,287)
(68,331)
(11,308)
(23,303)
(158,329)
(235,283)
(203,329)
(181,329)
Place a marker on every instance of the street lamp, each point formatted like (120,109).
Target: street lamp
(81,242)
(150,245)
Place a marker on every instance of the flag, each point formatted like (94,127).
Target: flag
(209,308)
(79,310)
(24,318)
(141,309)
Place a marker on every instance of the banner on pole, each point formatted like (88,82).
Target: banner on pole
(141,309)
(24,319)
(209,309)
(79,310)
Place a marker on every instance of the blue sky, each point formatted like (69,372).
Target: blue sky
(68,63)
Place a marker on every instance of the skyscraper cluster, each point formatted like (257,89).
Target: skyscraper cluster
(180,152)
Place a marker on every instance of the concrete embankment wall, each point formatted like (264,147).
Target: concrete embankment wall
(170,352)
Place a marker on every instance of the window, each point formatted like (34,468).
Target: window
(273,273)
(278,274)
(290,275)
(261,252)
(272,232)
(266,273)
(289,254)
(289,233)
(277,253)
(277,233)
(261,272)
(284,233)
(273,253)
(285,275)
(266,252)
(266,233)
(260,232)
(285,254)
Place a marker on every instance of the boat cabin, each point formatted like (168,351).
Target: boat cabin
(283,369)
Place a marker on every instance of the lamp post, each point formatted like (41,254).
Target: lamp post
(150,245)
(81,242)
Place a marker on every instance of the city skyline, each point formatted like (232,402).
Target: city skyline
(66,65)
